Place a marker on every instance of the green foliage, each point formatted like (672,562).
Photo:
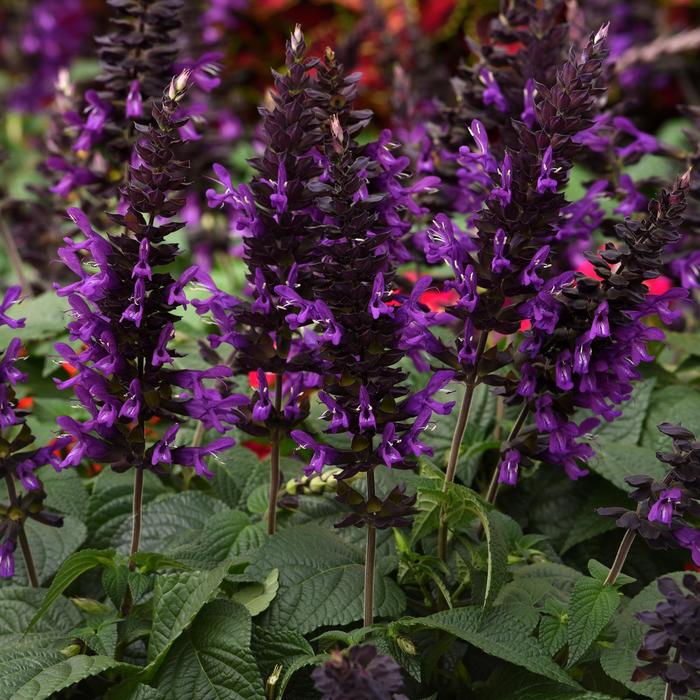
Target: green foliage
(320,580)
(212,660)
(591,608)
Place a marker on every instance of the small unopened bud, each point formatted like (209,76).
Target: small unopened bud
(90,605)
(601,34)
(296,38)
(178,85)
(330,54)
(71,650)
(684,181)
(406,645)
(316,485)
(337,130)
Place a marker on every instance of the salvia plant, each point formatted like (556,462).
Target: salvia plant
(351,362)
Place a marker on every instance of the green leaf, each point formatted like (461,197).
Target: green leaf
(176,600)
(553,633)
(45,318)
(17,607)
(49,546)
(586,523)
(69,571)
(462,505)
(65,490)
(628,427)
(499,635)
(600,572)
(620,659)
(672,404)
(168,521)
(280,646)
(616,460)
(212,660)
(45,682)
(237,476)
(223,537)
(111,502)
(257,596)
(321,580)
(591,608)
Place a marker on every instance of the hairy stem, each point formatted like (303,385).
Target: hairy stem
(668,693)
(275,462)
(492,492)
(620,558)
(22,536)
(370,557)
(457,438)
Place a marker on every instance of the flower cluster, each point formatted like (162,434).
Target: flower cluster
(17,464)
(274,216)
(358,330)
(671,647)
(124,320)
(137,58)
(667,509)
(361,673)
(588,335)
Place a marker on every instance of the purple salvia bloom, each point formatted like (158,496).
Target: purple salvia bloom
(503,193)
(366,416)
(529,113)
(508,468)
(662,510)
(134,102)
(545,181)
(7,559)
(499,262)
(492,94)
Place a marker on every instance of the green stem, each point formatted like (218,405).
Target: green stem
(370,558)
(275,461)
(492,492)
(457,438)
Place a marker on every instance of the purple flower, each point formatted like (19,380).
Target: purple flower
(508,468)
(134,102)
(545,181)
(662,510)
(492,94)
(529,114)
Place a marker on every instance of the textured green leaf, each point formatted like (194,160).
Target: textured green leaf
(499,635)
(616,460)
(45,318)
(591,608)
(671,404)
(168,521)
(110,504)
(17,607)
(511,683)
(237,476)
(553,633)
(280,646)
(220,539)
(620,659)
(629,426)
(65,491)
(256,597)
(46,682)
(177,599)
(69,571)
(49,546)
(321,580)
(212,660)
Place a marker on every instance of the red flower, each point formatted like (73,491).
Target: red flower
(260,449)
